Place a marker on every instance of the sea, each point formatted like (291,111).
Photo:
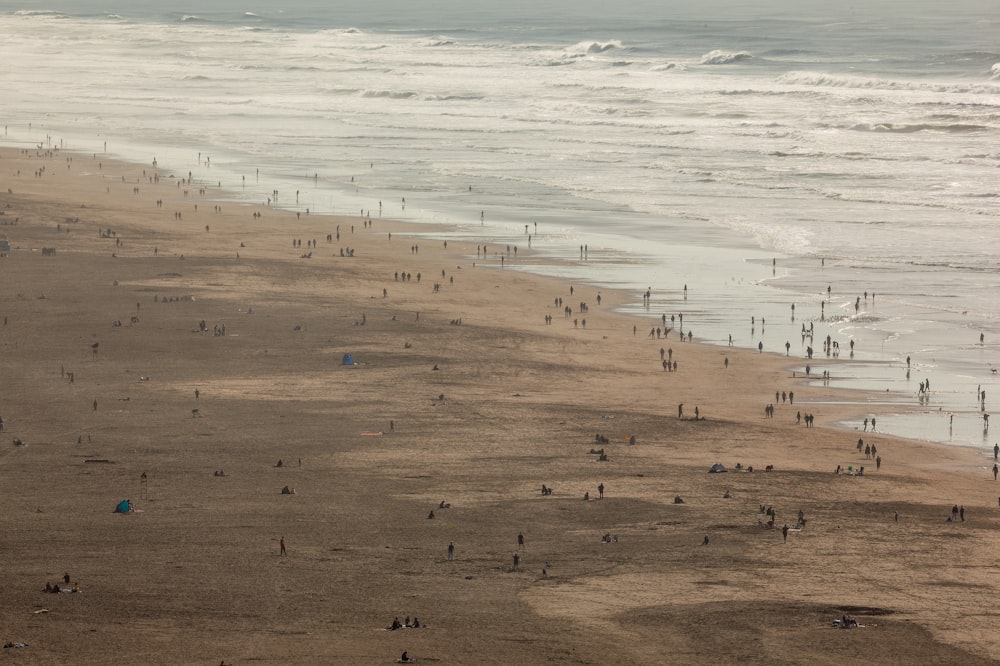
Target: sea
(776,174)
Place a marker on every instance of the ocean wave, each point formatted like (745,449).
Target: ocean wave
(435,42)
(724,57)
(452,98)
(187,18)
(668,67)
(390,94)
(37,12)
(820,79)
(592,48)
(952,128)
(995,71)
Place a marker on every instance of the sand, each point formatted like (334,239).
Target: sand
(194,575)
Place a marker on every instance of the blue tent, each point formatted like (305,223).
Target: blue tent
(123,506)
(348,359)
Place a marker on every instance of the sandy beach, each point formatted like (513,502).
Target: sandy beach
(165,348)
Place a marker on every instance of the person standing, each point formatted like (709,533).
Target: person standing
(520,540)
(784,533)
(600,491)
(282,544)
(451,552)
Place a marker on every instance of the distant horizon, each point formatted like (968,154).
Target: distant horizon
(526,11)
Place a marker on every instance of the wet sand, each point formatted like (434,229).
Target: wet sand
(194,575)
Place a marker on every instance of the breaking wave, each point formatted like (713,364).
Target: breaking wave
(724,57)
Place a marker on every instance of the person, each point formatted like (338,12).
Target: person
(416,623)
(451,552)
(66,578)
(784,532)
(600,491)
(996,451)
(996,469)
(395,624)
(282,544)
(705,541)
(430,516)
(405,658)
(517,561)
(520,540)
(961,513)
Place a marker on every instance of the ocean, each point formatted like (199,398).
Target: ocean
(736,159)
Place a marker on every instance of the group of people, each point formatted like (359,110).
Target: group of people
(56,589)
(405,624)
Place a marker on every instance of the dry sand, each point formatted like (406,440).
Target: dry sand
(195,574)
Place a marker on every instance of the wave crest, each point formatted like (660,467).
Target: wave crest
(724,57)
(819,79)
(592,48)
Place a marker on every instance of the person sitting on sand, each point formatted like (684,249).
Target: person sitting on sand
(405,658)
(416,623)
(430,516)
(395,624)
(280,463)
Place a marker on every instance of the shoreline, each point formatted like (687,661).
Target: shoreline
(768,293)
(513,404)
(621,302)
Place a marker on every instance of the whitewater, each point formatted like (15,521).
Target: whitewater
(758,156)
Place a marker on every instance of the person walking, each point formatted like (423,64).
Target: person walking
(784,533)
(282,545)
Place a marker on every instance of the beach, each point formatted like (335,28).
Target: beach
(171,346)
